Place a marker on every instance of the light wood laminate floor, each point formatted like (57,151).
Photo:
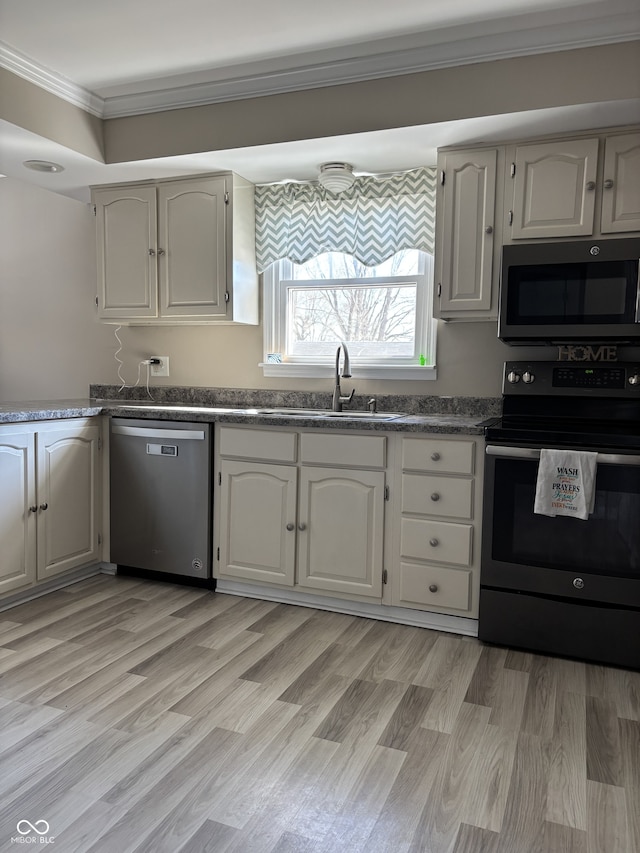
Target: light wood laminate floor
(151,717)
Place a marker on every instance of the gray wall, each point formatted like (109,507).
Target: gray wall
(51,345)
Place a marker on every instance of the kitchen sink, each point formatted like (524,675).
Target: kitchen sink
(328,413)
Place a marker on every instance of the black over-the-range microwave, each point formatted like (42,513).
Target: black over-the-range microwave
(577,291)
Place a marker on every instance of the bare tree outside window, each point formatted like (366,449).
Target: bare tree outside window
(334,297)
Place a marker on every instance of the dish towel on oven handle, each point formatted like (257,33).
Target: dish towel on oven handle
(566,483)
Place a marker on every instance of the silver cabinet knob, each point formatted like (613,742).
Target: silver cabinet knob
(44,506)
(435,456)
(434,542)
(302,526)
(608,184)
(160,251)
(291,526)
(33,509)
(590,185)
(488,229)
(433,587)
(578,583)
(435,496)
(152,252)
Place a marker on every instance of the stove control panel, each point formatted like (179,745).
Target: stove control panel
(589,377)
(562,379)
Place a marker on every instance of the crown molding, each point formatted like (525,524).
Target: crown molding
(410,61)
(50,81)
(565,29)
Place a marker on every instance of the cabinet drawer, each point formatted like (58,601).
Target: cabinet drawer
(258,444)
(434,586)
(355,451)
(433,454)
(431,495)
(437,541)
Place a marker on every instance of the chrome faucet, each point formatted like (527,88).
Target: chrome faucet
(338,399)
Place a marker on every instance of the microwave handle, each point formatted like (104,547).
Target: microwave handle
(534,453)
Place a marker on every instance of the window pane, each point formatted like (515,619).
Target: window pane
(377,321)
(336,265)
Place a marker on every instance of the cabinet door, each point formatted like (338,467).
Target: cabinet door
(554,189)
(621,184)
(191,251)
(340,531)
(17,511)
(68,495)
(258,521)
(464,261)
(127,262)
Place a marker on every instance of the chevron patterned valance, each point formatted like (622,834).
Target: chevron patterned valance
(372,220)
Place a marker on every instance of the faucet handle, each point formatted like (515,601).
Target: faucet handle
(372,405)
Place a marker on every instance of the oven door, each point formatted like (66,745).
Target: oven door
(597,560)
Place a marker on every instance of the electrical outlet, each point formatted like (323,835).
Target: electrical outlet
(161,369)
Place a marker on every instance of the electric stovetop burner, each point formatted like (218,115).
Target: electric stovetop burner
(550,403)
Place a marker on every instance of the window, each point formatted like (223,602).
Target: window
(382,313)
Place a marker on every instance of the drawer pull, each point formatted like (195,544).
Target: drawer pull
(433,587)
(435,456)
(435,496)
(434,542)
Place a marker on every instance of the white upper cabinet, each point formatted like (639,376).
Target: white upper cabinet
(490,196)
(621,184)
(554,189)
(180,251)
(574,188)
(127,239)
(466,211)
(192,262)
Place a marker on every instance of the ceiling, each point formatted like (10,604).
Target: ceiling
(130,56)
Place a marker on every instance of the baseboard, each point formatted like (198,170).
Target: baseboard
(400,615)
(52,585)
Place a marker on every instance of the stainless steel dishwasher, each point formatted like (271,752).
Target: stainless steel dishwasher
(161,496)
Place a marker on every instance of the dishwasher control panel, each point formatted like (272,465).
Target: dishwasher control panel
(162,449)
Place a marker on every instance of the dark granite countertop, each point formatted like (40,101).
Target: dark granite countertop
(439,415)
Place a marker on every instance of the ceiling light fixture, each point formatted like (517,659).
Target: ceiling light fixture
(336,177)
(43,166)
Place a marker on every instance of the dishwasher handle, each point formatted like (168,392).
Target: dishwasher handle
(150,432)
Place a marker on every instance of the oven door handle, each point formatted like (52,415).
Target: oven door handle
(534,453)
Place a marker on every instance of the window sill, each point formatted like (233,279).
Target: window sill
(327,371)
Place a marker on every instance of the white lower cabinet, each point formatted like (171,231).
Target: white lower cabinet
(390,519)
(298,518)
(340,533)
(438,554)
(258,521)
(49,499)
